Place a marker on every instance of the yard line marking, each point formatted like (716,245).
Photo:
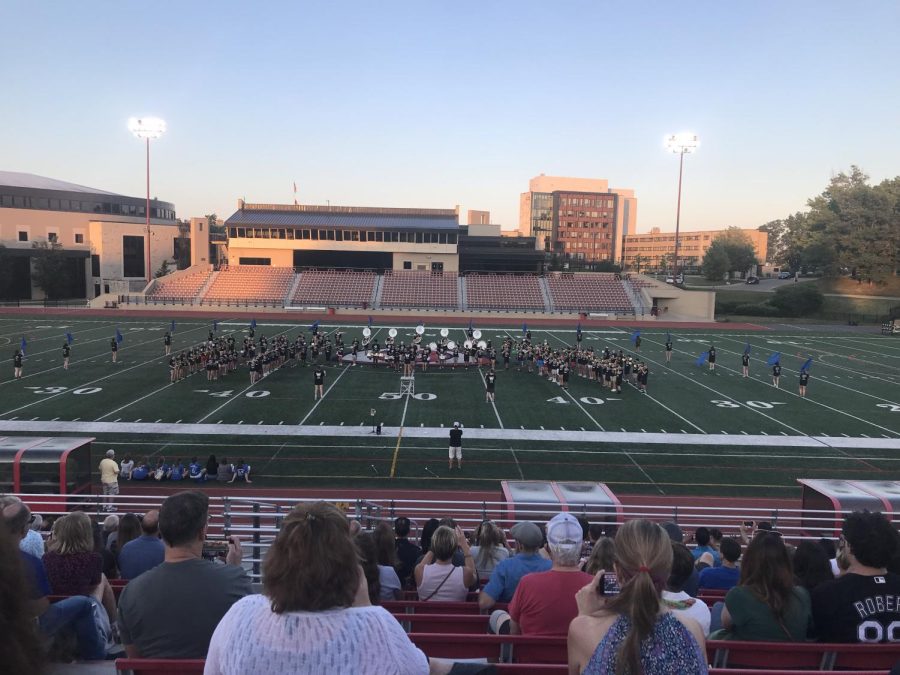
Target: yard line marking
(399,438)
(178,421)
(493,405)
(641,469)
(158,421)
(127,405)
(327,391)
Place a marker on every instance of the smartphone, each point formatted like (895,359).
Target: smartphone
(609,585)
(748,523)
(215,548)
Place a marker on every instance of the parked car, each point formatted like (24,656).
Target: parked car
(675,280)
(784,274)
(752,280)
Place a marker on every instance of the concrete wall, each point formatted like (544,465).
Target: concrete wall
(199,241)
(544,183)
(451,262)
(484,230)
(478,217)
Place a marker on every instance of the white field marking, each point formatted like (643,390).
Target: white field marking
(493,405)
(327,391)
(789,393)
(834,384)
(138,400)
(75,333)
(641,469)
(885,346)
(655,400)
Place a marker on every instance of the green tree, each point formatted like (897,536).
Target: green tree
(797,299)
(739,248)
(162,270)
(716,263)
(639,261)
(49,270)
(212,221)
(777,240)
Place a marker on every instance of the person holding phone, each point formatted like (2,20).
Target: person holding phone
(633,630)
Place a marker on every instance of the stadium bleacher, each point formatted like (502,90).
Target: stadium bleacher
(250,284)
(503,292)
(416,289)
(334,288)
(179,289)
(588,292)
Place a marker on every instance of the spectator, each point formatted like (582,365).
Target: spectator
(675,534)
(142,471)
(766,605)
(831,552)
(145,552)
(490,549)
(544,602)
(129,529)
(241,471)
(811,565)
(367,555)
(21,652)
(715,538)
(315,616)
(427,532)
(860,605)
(33,542)
(436,576)
(110,566)
(701,536)
(391,588)
(110,525)
(407,552)
(212,468)
(602,556)
(594,533)
(126,468)
(630,632)
(224,471)
(171,611)
(503,582)
(727,576)
(674,597)
(109,479)
(74,614)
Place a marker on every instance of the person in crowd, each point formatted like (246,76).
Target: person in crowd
(766,604)
(224,471)
(602,555)
(33,542)
(110,565)
(141,471)
(861,605)
(830,549)
(437,578)
(109,479)
(490,549)
(110,525)
(171,611)
(701,536)
(144,553)
(129,529)
(241,471)
(385,546)
(727,576)
(428,530)
(632,631)
(212,468)
(126,468)
(593,534)
(314,615)
(20,648)
(544,602)
(677,535)
(506,576)
(407,552)
(673,595)
(811,565)
(367,554)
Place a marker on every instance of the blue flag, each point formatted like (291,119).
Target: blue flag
(470,324)
(635,336)
(524,328)
(23,344)
(747,348)
(370,322)
(216,325)
(252,323)
(807,365)
(172,327)
(668,336)
(69,338)
(701,359)
(314,327)
(119,336)
(775,358)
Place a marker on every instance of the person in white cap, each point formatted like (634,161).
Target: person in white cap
(544,602)
(456,445)
(109,479)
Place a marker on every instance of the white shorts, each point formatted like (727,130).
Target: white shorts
(455,452)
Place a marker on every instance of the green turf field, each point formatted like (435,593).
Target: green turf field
(694,432)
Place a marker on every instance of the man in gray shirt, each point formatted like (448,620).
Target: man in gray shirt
(171,611)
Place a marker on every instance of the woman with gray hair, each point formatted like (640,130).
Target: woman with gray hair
(436,577)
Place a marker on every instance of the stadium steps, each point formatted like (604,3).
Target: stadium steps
(288,299)
(377,288)
(203,290)
(545,293)
(635,298)
(463,296)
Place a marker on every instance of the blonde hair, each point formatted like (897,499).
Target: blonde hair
(72,534)
(443,543)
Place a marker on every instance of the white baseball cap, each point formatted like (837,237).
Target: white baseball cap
(456,424)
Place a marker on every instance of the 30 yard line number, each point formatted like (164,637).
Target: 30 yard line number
(395,396)
(60,390)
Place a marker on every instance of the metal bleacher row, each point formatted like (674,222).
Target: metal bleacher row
(250,285)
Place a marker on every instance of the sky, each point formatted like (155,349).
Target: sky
(436,104)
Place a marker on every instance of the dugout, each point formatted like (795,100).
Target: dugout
(541,500)
(825,502)
(42,465)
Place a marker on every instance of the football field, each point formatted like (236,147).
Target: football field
(693,432)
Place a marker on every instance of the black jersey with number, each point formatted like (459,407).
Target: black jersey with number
(712,354)
(745,359)
(114,345)
(491,381)
(66,351)
(318,376)
(668,346)
(167,339)
(804,380)
(857,608)
(776,370)
(17,360)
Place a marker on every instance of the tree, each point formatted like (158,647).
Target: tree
(183,244)
(49,269)
(777,239)
(638,262)
(716,262)
(212,222)
(163,269)
(797,299)
(739,248)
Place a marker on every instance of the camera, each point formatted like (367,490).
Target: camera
(609,585)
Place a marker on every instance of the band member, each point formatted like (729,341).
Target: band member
(669,350)
(745,362)
(67,351)
(18,357)
(712,357)
(167,341)
(114,346)
(490,384)
(318,382)
(776,374)
(804,380)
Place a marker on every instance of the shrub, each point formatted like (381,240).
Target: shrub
(797,299)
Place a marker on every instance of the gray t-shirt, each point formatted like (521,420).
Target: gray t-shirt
(171,611)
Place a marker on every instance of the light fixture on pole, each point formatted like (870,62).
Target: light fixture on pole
(147,128)
(682,144)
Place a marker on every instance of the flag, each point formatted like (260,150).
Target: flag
(295,187)
(252,323)
(635,336)
(216,325)
(701,359)
(119,336)
(172,326)
(23,344)
(470,324)
(69,338)
(747,348)
(807,365)
(668,336)
(370,322)
(524,328)
(578,327)
(314,327)
(775,358)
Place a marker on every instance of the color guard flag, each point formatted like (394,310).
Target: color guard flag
(252,323)
(23,344)
(470,324)
(807,365)
(314,327)
(119,336)
(775,358)
(701,359)
(635,335)
(578,328)
(69,338)
(370,322)
(668,336)
(172,327)
(216,325)
(524,328)
(747,348)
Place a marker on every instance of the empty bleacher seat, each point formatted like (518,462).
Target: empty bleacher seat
(588,292)
(341,288)
(250,284)
(182,288)
(420,289)
(503,292)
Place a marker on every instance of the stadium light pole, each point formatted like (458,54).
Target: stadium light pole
(681,144)
(147,129)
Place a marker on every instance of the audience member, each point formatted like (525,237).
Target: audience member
(831,552)
(212,469)
(811,565)
(701,536)
(602,556)
(33,542)
(129,529)
(145,552)
(367,555)
(315,616)
(110,566)
(675,534)
(437,578)
(544,602)
(506,576)
(428,530)
(631,632)
(407,552)
(766,605)
(727,576)
(224,471)
(673,595)
(171,610)
(110,525)
(391,588)
(862,604)
(20,650)
(490,548)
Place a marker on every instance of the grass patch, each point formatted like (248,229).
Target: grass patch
(847,286)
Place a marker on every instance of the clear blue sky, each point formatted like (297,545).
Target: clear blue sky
(433,104)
